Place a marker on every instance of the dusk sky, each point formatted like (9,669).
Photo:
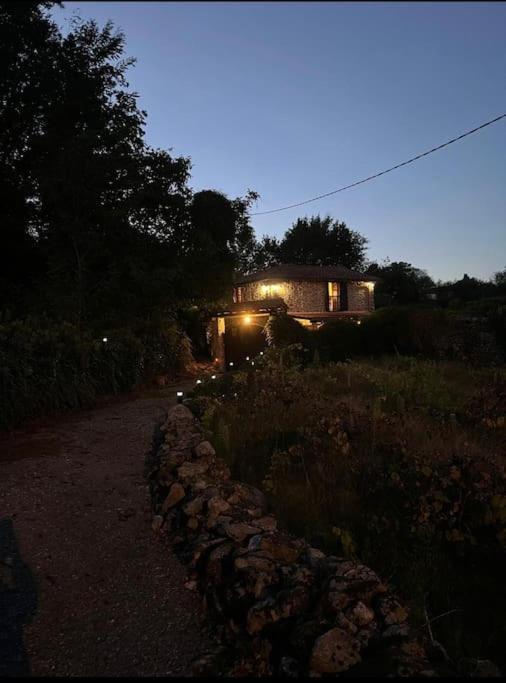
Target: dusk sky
(297,99)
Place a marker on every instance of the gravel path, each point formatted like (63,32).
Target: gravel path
(110,597)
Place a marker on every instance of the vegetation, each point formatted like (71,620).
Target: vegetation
(397,461)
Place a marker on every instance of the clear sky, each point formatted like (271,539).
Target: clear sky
(296,99)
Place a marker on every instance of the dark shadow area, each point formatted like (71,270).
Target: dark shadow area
(18,603)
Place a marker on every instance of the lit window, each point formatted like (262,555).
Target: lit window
(334,292)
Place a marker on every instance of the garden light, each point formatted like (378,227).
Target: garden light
(104,340)
(261,353)
(247,357)
(199,381)
(231,364)
(179,395)
(252,362)
(213,376)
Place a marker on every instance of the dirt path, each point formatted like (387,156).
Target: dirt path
(110,598)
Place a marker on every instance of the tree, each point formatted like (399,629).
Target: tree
(102,215)
(324,241)
(401,283)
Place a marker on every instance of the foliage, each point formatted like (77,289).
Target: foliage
(401,283)
(47,367)
(283,330)
(389,461)
(311,241)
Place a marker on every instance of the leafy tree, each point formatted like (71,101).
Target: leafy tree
(401,282)
(84,198)
(324,241)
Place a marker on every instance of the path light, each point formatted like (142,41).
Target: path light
(247,357)
(179,395)
(261,353)
(199,381)
(231,364)
(252,362)
(104,339)
(213,376)
(359,322)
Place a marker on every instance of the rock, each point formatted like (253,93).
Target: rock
(190,470)
(392,611)
(157,523)
(176,493)
(194,507)
(193,523)
(267,523)
(361,614)
(255,562)
(239,531)
(333,652)
(216,505)
(204,449)
(279,546)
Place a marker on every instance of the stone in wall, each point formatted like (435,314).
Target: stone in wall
(279,606)
(359,297)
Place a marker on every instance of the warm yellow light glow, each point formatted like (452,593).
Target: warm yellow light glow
(247,320)
(370,286)
(271,290)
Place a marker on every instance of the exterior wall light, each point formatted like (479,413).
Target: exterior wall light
(247,320)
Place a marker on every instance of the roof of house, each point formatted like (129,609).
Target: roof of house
(291,271)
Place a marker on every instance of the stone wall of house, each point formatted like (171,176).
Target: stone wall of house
(298,296)
(359,297)
(279,606)
(310,296)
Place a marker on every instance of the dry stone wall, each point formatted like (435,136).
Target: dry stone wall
(279,606)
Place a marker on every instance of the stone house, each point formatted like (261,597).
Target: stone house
(310,294)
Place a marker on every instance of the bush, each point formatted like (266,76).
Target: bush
(340,339)
(283,330)
(47,366)
(405,330)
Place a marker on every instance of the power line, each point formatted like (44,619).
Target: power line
(377,175)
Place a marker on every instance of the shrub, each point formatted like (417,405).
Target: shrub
(340,339)
(47,366)
(283,330)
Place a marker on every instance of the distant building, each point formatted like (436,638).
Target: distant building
(310,294)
